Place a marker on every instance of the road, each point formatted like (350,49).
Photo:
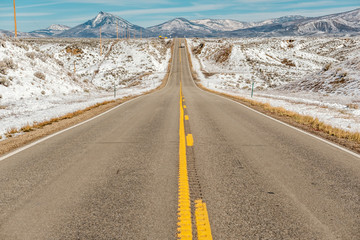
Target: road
(136,172)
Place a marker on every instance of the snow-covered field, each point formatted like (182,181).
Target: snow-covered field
(319,77)
(45,78)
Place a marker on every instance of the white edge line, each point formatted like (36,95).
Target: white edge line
(276,120)
(79,124)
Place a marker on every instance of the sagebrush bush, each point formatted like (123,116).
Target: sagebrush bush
(4,81)
(288,62)
(30,55)
(40,75)
(199,48)
(21,45)
(60,63)
(326,67)
(3,68)
(6,64)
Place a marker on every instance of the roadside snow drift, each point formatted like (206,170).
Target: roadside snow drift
(319,77)
(45,78)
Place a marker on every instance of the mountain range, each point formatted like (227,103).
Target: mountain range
(341,24)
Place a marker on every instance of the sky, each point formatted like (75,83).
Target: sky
(39,14)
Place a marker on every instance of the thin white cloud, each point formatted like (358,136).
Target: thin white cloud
(195,8)
(31,5)
(260,16)
(311,4)
(35,14)
(120,3)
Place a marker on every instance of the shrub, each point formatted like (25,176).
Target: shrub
(199,48)
(6,64)
(326,67)
(223,55)
(30,55)
(353,106)
(3,68)
(60,63)
(4,81)
(74,50)
(40,75)
(288,62)
(21,45)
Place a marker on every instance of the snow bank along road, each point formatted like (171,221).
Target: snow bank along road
(180,163)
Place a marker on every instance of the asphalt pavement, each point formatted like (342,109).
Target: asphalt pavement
(117,176)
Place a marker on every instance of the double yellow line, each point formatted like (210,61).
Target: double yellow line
(184,202)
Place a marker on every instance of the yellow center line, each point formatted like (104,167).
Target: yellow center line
(202,221)
(184,204)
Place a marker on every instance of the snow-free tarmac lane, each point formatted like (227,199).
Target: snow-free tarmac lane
(117,176)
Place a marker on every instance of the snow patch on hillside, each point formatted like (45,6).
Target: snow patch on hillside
(38,82)
(311,76)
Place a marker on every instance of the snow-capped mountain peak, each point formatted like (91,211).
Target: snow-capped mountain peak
(108,24)
(180,27)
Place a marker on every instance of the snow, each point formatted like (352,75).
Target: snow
(323,80)
(222,24)
(58,27)
(133,67)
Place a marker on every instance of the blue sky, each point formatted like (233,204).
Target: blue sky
(37,14)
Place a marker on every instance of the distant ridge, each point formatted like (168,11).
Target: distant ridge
(340,24)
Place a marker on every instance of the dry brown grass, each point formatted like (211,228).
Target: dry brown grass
(73,50)
(39,125)
(11,132)
(26,128)
(288,62)
(313,123)
(353,106)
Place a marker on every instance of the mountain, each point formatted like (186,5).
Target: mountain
(222,24)
(340,24)
(20,34)
(52,30)
(108,24)
(347,22)
(180,27)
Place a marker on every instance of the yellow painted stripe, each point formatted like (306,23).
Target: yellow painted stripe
(189,140)
(202,221)
(184,205)
(184,106)
(186,117)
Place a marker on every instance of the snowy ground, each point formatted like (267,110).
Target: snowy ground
(319,77)
(38,82)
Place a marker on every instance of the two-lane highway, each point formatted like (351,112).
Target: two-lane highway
(180,163)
